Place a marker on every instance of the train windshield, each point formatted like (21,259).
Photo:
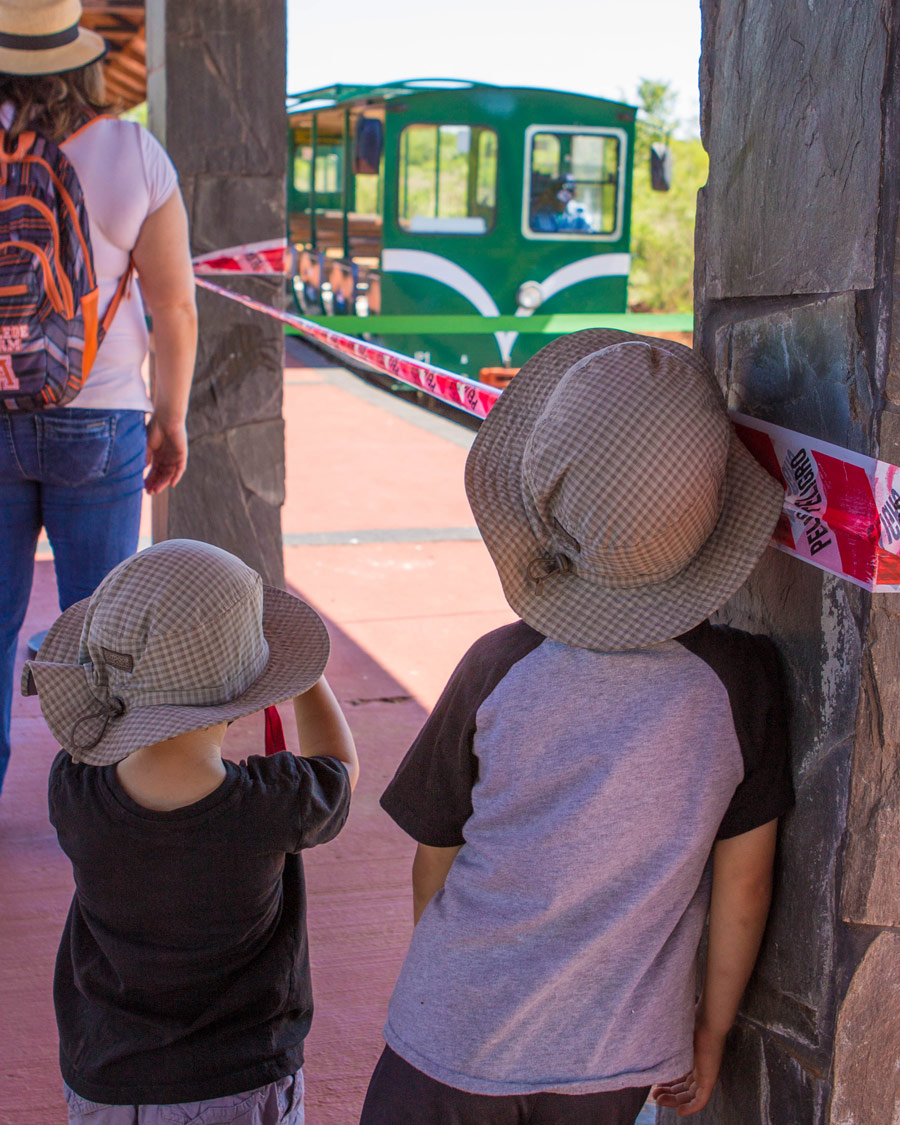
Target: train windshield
(448,179)
(574,182)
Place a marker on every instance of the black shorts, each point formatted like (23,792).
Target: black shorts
(399,1094)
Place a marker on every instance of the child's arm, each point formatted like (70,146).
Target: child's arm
(741,893)
(429,870)
(323,730)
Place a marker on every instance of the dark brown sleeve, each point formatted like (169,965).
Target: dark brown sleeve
(750,669)
(430,796)
(767,790)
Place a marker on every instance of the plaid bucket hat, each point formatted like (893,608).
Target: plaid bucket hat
(180,636)
(618,504)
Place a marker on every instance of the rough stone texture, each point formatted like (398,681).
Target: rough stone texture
(216,93)
(796,1094)
(797,284)
(802,366)
(872,863)
(223,507)
(866,1063)
(761,1082)
(889,435)
(812,617)
(743,1069)
(794,159)
(229,61)
(892,383)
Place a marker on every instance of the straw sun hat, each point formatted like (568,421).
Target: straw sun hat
(180,636)
(43,37)
(618,504)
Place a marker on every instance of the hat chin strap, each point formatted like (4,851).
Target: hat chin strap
(104,713)
(545,566)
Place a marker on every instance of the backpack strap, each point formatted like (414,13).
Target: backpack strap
(21,146)
(121,289)
(125,280)
(95,333)
(86,125)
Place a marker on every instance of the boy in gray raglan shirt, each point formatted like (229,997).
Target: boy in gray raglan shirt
(599,775)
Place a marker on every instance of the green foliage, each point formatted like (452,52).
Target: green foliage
(138,114)
(368,193)
(657,111)
(662,223)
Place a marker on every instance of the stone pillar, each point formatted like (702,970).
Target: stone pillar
(216,96)
(795,271)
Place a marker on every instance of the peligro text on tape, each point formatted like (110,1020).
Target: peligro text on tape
(841,511)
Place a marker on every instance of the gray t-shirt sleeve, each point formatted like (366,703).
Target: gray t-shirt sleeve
(430,796)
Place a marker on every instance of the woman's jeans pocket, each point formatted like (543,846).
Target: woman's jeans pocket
(75,446)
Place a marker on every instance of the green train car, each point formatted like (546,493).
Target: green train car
(419,202)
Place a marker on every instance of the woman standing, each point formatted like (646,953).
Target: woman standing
(78,470)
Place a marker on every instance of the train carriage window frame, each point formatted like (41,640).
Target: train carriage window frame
(574,234)
(328,169)
(480,196)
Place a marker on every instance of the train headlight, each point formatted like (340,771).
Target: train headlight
(529,295)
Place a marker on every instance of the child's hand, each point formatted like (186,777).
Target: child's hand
(689,1094)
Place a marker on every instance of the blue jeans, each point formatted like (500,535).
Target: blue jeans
(79,474)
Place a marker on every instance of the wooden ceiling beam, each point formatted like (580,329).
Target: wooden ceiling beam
(121,23)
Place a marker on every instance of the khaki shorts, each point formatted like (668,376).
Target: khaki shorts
(280,1102)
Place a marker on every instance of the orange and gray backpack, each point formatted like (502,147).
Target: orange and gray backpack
(49,324)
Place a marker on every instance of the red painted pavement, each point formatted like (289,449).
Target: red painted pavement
(400,615)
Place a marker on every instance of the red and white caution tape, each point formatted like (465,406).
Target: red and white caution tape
(251,257)
(841,510)
(465,394)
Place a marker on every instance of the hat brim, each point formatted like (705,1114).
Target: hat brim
(298,652)
(571,609)
(81,52)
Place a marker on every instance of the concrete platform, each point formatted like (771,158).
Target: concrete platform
(379,537)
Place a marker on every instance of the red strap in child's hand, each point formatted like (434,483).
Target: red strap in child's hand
(274,732)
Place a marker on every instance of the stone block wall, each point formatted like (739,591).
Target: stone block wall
(216,94)
(795,300)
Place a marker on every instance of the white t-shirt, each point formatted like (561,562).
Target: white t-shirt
(125,175)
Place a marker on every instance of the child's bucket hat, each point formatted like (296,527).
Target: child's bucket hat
(180,636)
(618,504)
(43,37)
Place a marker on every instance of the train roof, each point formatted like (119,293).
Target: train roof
(327,97)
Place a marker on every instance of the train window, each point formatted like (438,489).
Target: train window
(448,179)
(367,193)
(573,182)
(328,169)
(486,173)
(545,155)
